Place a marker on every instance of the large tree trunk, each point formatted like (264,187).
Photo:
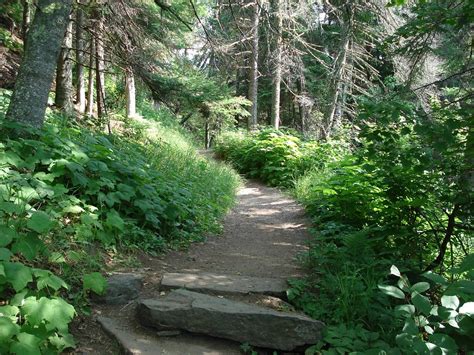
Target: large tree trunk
(90,84)
(63,99)
(277,66)
(81,84)
(130,93)
(253,85)
(30,96)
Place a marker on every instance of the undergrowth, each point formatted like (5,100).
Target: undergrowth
(400,197)
(72,196)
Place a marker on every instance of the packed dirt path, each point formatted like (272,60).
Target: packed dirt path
(262,237)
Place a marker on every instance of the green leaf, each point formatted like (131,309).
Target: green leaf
(18,275)
(10,207)
(27,344)
(7,235)
(114,220)
(444,341)
(392,291)
(7,329)
(467,308)
(410,327)
(29,246)
(405,310)
(446,314)
(438,279)
(48,279)
(5,254)
(421,303)
(73,209)
(55,313)
(94,282)
(39,222)
(394,271)
(62,342)
(451,302)
(420,287)
(10,311)
(56,257)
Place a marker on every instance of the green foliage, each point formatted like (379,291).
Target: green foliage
(35,319)
(68,194)
(356,340)
(8,41)
(393,200)
(275,157)
(94,282)
(445,325)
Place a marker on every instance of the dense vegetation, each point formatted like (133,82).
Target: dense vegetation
(375,101)
(392,199)
(73,198)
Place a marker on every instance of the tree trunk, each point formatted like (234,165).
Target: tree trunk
(100,74)
(30,96)
(277,66)
(253,85)
(207,135)
(26,21)
(81,84)
(90,86)
(130,93)
(63,98)
(337,84)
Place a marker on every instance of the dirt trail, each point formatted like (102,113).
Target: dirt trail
(262,236)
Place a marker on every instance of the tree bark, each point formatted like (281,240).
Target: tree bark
(26,20)
(207,135)
(90,86)
(30,96)
(130,93)
(81,84)
(275,120)
(253,85)
(63,99)
(336,87)
(100,74)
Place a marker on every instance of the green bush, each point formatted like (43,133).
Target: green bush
(275,157)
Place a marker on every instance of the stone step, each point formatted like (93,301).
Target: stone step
(135,341)
(224,318)
(225,284)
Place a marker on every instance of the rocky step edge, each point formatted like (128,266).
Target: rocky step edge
(223,318)
(216,284)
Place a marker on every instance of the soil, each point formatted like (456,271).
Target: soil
(262,237)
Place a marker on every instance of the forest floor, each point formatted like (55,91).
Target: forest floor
(262,237)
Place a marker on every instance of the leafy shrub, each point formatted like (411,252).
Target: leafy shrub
(444,326)
(275,157)
(35,319)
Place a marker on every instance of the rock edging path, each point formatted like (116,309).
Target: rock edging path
(249,263)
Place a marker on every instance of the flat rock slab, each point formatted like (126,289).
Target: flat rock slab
(135,342)
(223,318)
(225,284)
